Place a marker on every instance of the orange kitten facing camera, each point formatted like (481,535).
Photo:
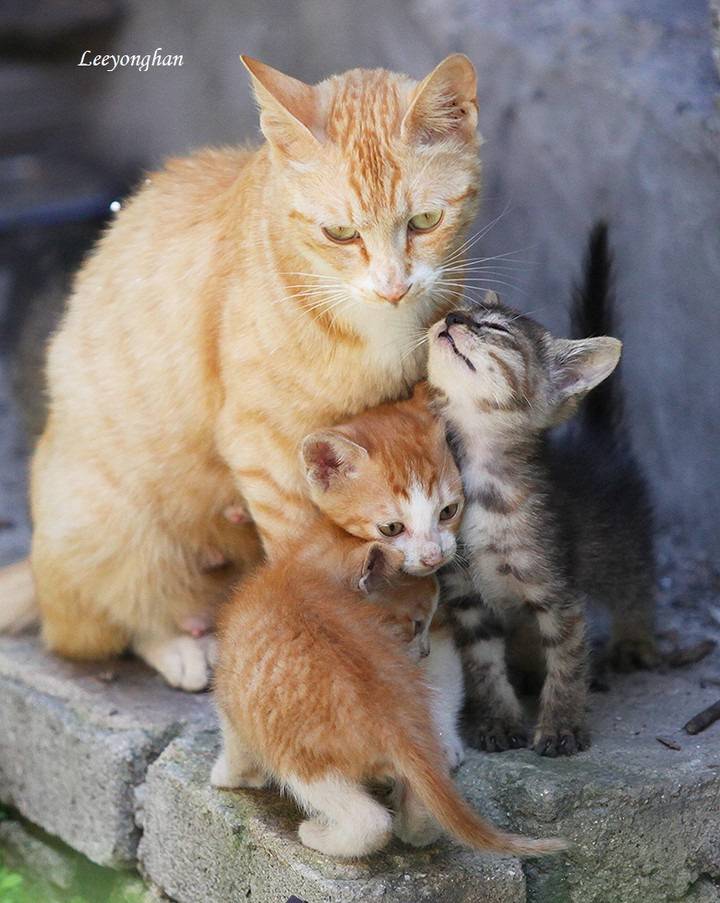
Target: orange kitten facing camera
(318,691)
(241,300)
(387,475)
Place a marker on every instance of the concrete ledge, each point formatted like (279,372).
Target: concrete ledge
(644,819)
(201,843)
(106,758)
(76,740)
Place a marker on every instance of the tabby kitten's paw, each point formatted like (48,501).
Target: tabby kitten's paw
(496,735)
(634,654)
(562,742)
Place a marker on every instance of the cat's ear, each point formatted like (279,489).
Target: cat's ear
(379,565)
(289,110)
(444,103)
(330,457)
(579,365)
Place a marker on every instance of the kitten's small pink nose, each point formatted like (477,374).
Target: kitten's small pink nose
(395,293)
(432,557)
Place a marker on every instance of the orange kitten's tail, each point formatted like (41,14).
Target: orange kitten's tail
(437,791)
(18,605)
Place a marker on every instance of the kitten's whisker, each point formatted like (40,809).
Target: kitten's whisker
(414,347)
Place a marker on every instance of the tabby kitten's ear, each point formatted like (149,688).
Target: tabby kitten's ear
(330,457)
(444,103)
(379,565)
(289,110)
(580,365)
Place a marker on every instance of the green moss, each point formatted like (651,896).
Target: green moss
(21,881)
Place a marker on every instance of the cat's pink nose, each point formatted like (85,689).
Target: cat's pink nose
(395,293)
(431,558)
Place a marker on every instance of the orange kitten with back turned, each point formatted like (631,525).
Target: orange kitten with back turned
(317,691)
(242,299)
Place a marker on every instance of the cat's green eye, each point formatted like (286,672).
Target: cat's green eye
(425,222)
(393,529)
(449,511)
(341,234)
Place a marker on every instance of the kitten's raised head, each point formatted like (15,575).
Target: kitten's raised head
(408,603)
(491,359)
(379,178)
(388,475)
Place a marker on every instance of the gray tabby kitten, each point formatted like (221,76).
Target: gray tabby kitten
(546,524)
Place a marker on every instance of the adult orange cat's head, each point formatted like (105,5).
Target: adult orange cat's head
(378,178)
(388,475)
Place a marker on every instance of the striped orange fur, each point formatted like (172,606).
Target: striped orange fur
(215,325)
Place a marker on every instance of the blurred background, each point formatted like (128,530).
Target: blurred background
(588,110)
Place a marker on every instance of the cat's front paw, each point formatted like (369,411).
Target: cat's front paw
(184,661)
(561,742)
(634,654)
(495,735)
(225,776)
(454,750)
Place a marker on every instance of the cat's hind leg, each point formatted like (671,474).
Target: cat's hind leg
(413,823)
(346,820)
(235,766)
(109,577)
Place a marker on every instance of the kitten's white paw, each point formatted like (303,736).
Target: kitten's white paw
(183,661)
(345,841)
(220,774)
(223,775)
(315,834)
(454,751)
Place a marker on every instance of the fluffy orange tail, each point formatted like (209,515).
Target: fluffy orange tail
(427,777)
(18,606)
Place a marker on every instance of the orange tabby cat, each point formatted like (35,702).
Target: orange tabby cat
(317,691)
(242,299)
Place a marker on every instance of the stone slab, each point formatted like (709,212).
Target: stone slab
(219,846)
(643,819)
(104,757)
(76,741)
